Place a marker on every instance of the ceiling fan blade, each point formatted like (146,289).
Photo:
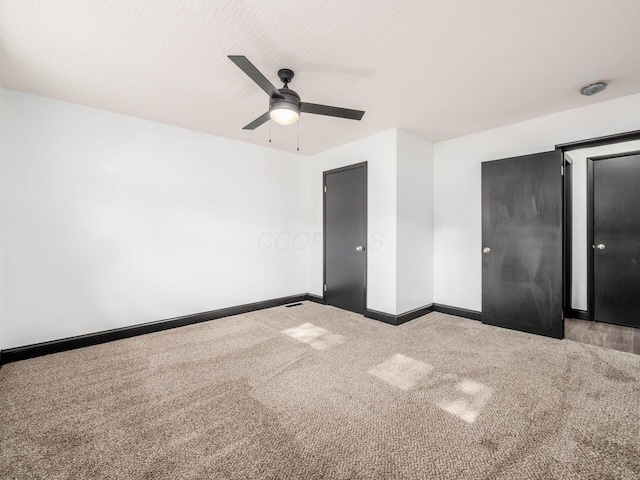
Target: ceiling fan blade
(331,111)
(254,74)
(257,122)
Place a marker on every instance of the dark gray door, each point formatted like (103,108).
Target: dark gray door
(522,283)
(345,234)
(615,239)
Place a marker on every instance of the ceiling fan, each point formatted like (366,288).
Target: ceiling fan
(285,105)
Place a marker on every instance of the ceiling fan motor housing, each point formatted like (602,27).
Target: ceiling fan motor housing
(291,100)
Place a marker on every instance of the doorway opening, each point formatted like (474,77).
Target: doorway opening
(577,247)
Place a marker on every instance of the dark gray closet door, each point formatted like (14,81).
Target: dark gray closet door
(615,241)
(345,214)
(522,283)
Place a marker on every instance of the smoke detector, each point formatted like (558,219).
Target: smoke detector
(593,88)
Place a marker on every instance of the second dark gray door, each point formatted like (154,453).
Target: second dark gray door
(522,281)
(345,234)
(614,271)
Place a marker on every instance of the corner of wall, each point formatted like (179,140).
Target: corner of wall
(414,217)
(380,153)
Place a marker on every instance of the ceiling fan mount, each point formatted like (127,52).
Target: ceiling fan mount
(285,105)
(285,75)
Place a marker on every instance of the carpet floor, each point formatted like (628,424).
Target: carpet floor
(314,392)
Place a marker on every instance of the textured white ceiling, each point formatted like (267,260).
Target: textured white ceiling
(437,68)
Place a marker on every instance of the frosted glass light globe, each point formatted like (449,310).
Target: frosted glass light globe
(284,116)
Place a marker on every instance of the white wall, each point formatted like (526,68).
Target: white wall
(399,222)
(414,255)
(579,215)
(109,221)
(2,147)
(457,223)
(380,153)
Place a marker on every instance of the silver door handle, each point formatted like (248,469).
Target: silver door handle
(600,246)
(486,250)
(359,248)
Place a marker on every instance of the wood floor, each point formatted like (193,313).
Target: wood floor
(616,337)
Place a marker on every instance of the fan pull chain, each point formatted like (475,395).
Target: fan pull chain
(269,130)
(298,141)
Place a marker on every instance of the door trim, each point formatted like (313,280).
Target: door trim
(324,226)
(590,232)
(600,141)
(567,234)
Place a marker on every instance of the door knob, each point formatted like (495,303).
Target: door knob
(486,250)
(600,246)
(359,248)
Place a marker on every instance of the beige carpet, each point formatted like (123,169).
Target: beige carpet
(314,392)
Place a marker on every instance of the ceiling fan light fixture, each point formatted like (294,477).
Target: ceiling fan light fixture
(285,110)
(284,113)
